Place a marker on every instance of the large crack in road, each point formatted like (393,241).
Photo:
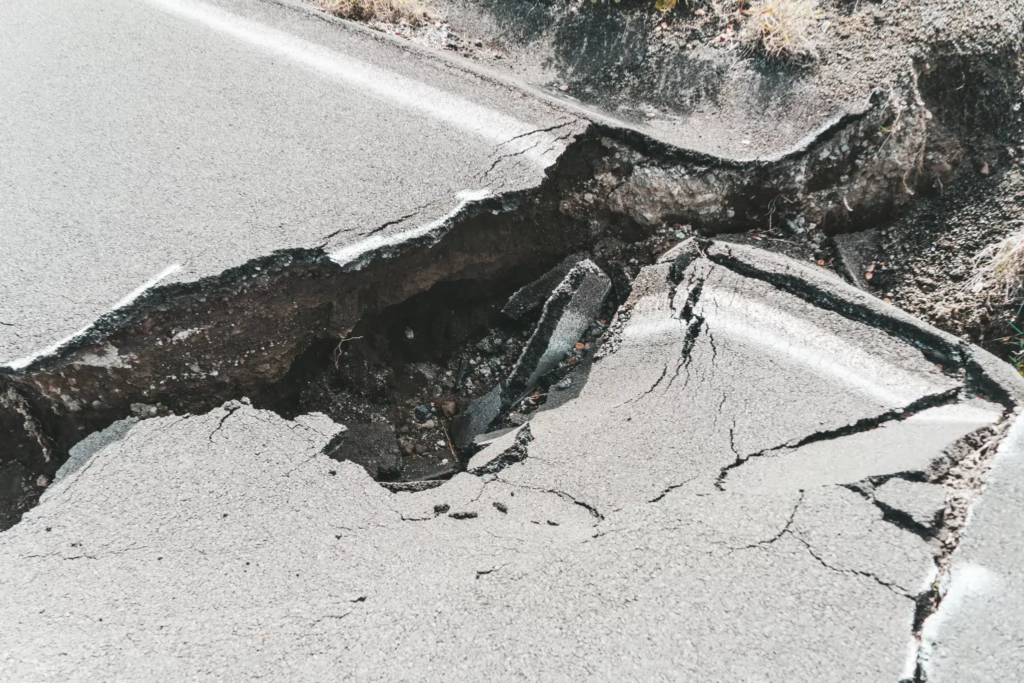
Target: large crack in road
(553,523)
(718,460)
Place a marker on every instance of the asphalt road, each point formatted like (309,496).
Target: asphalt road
(672,520)
(154,141)
(723,497)
(976,635)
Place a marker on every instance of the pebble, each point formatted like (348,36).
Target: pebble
(564,384)
(422,412)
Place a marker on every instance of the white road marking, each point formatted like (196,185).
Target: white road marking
(132,296)
(812,347)
(966,581)
(353,252)
(398,90)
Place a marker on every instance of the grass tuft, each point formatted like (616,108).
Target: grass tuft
(1000,269)
(392,11)
(781,29)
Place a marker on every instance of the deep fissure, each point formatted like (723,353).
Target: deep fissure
(339,342)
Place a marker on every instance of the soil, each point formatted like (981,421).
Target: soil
(414,368)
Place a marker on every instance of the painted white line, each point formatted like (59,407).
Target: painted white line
(398,90)
(135,294)
(352,252)
(967,581)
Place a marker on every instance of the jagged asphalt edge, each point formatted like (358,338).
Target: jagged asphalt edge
(165,296)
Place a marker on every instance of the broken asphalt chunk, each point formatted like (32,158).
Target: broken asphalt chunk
(531,297)
(567,314)
(856,256)
(429,466)
(476,418)
(897,446)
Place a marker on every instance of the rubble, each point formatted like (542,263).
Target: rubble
(568,313)
(532,297)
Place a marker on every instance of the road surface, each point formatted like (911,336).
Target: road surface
(756,481)
(676,517)
(156,141)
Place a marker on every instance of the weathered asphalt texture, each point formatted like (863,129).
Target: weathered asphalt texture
(976,635)
(678,519)
(156,141)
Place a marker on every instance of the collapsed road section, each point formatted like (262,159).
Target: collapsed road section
(256,330)
(753,468)
(553,433)
(387,327)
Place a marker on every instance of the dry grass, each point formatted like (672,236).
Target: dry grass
(1000,269)
(393,11)
(782,29)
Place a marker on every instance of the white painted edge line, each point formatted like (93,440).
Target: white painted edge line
(388,86)
(965,579)
(353,252)
(132,296)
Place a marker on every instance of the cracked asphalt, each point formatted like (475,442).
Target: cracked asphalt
(165,141)
(761,477)
(703,509)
